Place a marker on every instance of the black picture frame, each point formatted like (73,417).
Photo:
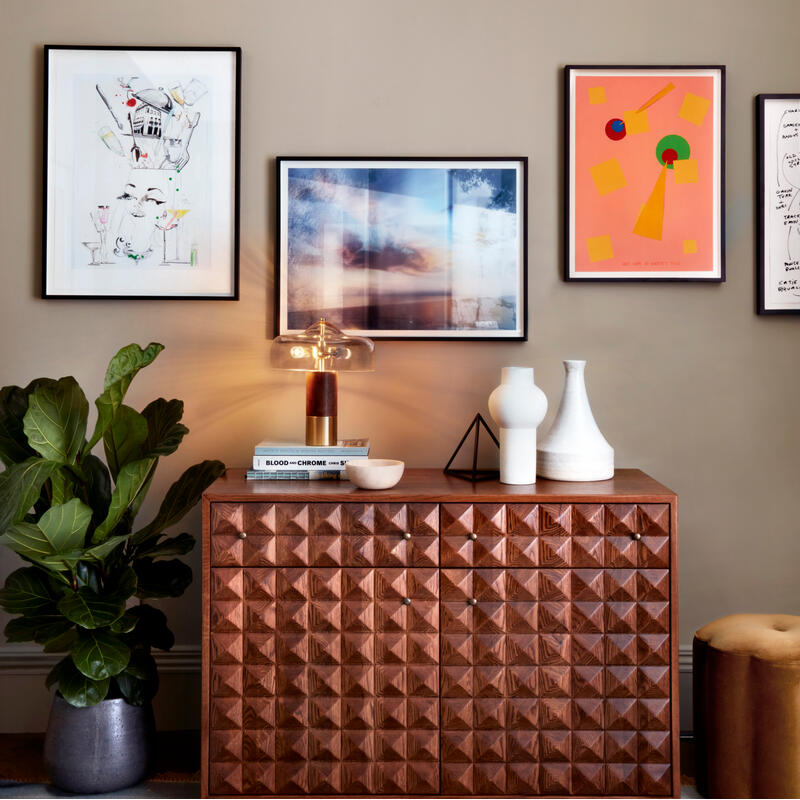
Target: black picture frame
(764,305)
(456,335)
(568,273)
(233,266)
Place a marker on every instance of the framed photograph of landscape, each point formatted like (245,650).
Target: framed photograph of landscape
(141,172)
(644,173)
(778,147)
(403,248)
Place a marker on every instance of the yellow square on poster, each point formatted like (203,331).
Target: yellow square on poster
(597,95)
(636,122)
(607,176)
(689,246)
(599,248)
(685,170)
(694,108)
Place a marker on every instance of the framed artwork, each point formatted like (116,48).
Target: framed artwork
(778,146)
(141,172)
(645,173)
(403,248)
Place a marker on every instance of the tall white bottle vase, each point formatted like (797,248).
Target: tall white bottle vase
(517,405)
(574,449)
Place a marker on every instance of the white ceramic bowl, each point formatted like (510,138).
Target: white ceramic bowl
(374,473)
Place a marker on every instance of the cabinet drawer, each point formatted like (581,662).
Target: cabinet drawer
(325,534)
(581,535)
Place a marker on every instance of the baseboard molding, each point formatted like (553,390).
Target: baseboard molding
(30,660)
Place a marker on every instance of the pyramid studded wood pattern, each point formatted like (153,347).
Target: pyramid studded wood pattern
(424,648)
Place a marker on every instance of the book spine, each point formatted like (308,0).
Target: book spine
(323,452)
(299,462)
(294,475)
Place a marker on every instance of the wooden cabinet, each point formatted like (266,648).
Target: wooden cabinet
(440,638)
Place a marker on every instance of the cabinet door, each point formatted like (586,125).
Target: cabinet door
(407,681)
(557,680)
(324,681)
(490,712)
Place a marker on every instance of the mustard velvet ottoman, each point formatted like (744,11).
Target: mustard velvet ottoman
(747,706)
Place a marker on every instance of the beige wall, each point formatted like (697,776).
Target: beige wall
(685,380)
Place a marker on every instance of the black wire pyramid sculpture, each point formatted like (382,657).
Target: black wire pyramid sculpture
(475,474)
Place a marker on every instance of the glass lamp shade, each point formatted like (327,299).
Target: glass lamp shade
(322,347)
(321,351)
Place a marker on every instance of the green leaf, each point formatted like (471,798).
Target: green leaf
(28,540)
(98,486)
(60,669)
(142,666)
(20,487)
(164,431)
(123,583)
(100,654)
(36,629)
(139,682)
(60,562)
(75,687)
(55,422)
(178,545)
(100,551)
(130,482)
(161,578)
(57,540)
(181,496)
(65,526)
(60,488)
(60,643)
(90,610)
(123,439)
(14,447)
(121,371)
(152,629)
(125,624)
(26,592)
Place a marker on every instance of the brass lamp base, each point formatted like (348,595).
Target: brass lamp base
(321,431)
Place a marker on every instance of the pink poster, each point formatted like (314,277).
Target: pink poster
(644,170)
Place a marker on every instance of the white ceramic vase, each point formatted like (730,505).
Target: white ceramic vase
(574,449)
(517,405)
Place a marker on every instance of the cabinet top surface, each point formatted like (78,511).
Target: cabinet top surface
(432,485)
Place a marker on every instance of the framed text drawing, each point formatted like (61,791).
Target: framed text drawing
(778,146)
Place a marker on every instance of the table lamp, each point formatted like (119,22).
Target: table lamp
(321,351)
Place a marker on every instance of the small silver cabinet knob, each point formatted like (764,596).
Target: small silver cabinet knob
(473,536)
(637,536)
(472,601)
(242,535)
(406,601)
(407,535)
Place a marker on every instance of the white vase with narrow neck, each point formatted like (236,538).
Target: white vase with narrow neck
(517,405)
(574,449)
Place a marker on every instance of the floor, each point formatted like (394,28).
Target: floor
(162,789)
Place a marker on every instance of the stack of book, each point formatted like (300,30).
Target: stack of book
(300,462)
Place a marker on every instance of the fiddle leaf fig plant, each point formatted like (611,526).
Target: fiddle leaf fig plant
(71,517)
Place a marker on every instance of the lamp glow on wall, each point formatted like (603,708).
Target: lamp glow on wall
(322,351)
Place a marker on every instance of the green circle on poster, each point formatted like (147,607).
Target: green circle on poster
(672,148)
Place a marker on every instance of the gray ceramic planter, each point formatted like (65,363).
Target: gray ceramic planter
(98,749)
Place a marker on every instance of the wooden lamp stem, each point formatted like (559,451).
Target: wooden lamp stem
(321,408)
